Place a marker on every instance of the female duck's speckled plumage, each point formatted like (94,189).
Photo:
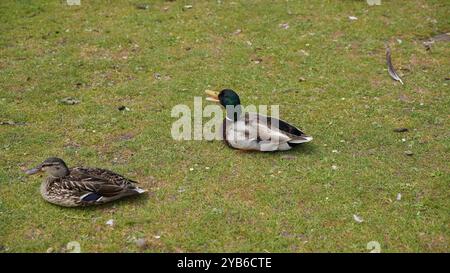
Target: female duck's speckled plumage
(82,186)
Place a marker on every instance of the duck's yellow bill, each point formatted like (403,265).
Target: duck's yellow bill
(212,95)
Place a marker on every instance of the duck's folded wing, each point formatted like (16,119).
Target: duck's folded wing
(100,191)
(83,173)
(281,129)
(89,180)
(267,128)
(99,187)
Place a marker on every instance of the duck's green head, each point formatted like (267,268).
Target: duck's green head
(53,166)
(224,97)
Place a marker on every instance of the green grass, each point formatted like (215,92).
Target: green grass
(105,53)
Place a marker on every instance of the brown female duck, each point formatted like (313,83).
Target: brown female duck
(82,186)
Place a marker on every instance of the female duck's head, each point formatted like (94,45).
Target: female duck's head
(53,166)
(229,99)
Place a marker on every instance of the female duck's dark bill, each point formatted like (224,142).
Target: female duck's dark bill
(33,171)
(212,95)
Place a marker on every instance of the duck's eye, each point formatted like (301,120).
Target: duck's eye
(57,168)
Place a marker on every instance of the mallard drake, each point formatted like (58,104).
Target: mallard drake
(82,186)
(252,131)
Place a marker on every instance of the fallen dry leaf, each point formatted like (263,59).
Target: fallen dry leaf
(400,130)
(69,101)
(142,6)
(237,32)
(110,222)
(123,108)
(12,123)
(357,218)
(284,25)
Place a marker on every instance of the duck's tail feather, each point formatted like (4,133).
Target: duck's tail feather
(301,139)
(139,190)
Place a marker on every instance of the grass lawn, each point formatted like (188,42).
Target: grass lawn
(328,74)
